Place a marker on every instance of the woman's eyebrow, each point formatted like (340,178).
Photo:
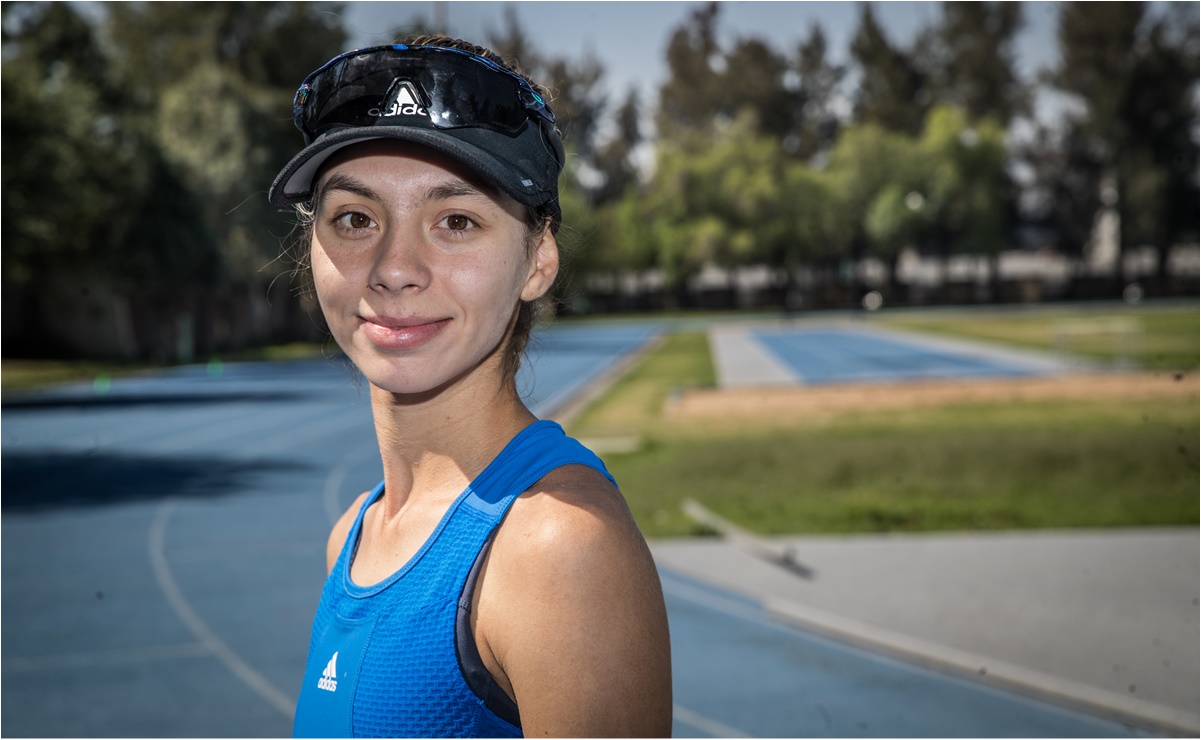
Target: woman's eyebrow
(454,189)
(346,183)
(443,191)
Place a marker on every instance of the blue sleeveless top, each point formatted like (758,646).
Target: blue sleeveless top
(397,659)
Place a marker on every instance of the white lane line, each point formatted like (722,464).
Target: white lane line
(196,625)
(710,727)
(103,658)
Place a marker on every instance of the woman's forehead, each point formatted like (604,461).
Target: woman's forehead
(407,157)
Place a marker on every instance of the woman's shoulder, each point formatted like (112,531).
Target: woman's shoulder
(574,524)
(572,501)
(570,583)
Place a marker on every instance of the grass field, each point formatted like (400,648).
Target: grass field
(1092,462)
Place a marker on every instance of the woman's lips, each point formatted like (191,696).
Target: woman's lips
(403,334)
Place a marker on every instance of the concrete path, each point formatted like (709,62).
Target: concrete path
(1101,620)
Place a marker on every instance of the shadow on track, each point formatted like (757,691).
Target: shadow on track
(43,481)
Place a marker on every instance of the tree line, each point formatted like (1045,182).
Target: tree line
(138,146)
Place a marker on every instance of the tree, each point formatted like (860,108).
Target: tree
(80,185)
(733,201)
(687,98)
(614,159)
(941,194)
(819,83)
(970,59)
(708,88)
(892,90)
(574,86)
(211,82)
(1135,79)
(756,79)
(139,152)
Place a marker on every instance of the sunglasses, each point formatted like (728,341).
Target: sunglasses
(449,87)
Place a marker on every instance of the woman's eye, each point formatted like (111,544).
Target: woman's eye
(355,220)
(457,222)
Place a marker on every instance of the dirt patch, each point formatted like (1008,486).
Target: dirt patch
(793,401)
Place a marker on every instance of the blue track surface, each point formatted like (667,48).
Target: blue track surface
(841,355)
(752,676)
(163,551)
(564,360)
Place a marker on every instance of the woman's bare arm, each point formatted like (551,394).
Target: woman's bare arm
(571,610)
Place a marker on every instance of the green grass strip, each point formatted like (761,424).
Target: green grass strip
(1013,466)
(633,404)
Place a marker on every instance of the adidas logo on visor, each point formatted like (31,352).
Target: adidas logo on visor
(403,100)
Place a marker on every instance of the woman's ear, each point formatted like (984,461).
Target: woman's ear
(543,268)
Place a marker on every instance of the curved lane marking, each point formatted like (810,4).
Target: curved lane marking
(708,726)
(196,625)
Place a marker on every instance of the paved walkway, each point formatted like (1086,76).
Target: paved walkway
(1106,620)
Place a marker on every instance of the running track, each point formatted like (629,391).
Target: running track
(163,551)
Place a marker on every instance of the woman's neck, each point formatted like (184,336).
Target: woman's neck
(434,444)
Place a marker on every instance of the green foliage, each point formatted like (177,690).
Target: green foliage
(867,162)
(82,186)
(943,192)
(138,148)
(725,201)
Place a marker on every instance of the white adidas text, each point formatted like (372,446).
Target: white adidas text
(329,677)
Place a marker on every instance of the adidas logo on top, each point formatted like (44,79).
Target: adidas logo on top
(329,677)
(405,101)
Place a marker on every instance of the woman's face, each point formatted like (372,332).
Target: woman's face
(419,270)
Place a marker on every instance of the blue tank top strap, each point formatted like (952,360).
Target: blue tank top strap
(537,450)
(351,543)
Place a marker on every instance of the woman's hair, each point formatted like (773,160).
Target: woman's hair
(537,220)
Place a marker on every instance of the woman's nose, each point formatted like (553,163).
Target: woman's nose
(400,263)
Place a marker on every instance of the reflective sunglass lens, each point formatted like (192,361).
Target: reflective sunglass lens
(462,90)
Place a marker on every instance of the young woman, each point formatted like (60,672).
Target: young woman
(494,583)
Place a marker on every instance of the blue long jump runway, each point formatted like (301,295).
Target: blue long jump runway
(829,355)
(163,550)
